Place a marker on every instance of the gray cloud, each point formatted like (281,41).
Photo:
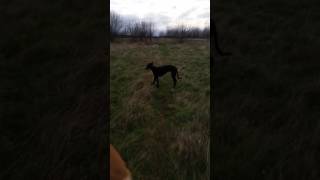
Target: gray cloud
(204,15)
(187,13)
(164,13)
(162,19)
(129,18)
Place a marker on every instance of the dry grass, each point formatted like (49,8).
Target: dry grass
(162,133)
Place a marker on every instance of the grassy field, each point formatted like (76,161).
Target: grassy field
(267,95)
(162,133)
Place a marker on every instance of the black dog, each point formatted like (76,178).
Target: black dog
(161,70)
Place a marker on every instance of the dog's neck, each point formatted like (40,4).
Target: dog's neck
(153,68)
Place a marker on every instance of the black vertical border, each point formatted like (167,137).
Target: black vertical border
(211,127)
(104,150)
(108,88)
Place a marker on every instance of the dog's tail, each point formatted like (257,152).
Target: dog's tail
(178,75)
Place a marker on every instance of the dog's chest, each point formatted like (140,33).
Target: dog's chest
(159,72)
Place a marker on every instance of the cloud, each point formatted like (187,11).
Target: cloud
(129,18)
(204,15)
(164,13)
(187,13)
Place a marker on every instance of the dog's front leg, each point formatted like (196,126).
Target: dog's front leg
(154,80)
(157,82)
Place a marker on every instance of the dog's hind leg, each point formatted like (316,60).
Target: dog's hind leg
(154,80)
(178,75)
(157,79)
(173,75)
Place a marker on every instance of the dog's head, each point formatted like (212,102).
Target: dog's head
(149,65)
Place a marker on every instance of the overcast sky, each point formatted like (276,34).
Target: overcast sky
(165,12)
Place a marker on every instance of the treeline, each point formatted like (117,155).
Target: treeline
(145,30)
(182,31)
(141,30)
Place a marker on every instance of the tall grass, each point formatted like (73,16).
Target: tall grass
(162,133)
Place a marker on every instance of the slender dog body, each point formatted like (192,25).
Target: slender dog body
(162,70)
(118,168)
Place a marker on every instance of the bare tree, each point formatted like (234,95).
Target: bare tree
(193,32)
(150,30)
(140,30)
(116,24)
(145,30)
(171,32)
(131,29)
(162,34)
(180,32)
(206,32)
